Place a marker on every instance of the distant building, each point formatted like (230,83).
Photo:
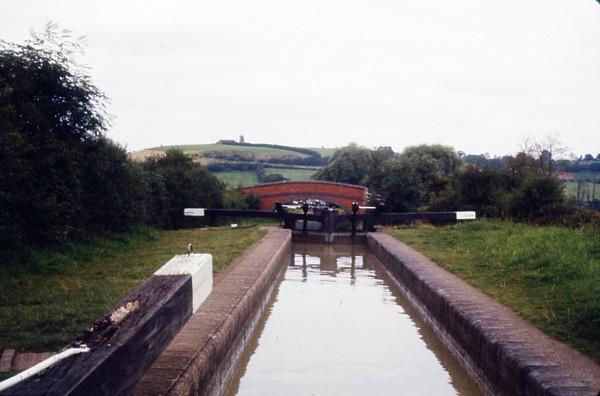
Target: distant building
(226,141)
(242,141)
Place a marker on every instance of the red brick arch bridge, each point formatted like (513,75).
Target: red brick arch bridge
(338,193)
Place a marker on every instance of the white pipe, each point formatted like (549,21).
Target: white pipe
(41,366)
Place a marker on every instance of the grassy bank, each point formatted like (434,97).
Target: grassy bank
(550,276)
(44,304)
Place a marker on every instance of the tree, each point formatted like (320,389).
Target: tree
(186,185)
(48,110)
(521,167)
(355,164)
(435,164)
(351,164)
(380,157)
(545,150)
(402,187)
(417,176)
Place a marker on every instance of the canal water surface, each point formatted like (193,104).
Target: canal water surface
(337,325)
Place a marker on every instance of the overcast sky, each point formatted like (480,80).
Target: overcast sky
(478,75)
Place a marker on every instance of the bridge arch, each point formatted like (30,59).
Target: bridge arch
(339,193)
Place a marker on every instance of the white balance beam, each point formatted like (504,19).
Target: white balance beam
(196,212)
(467,215)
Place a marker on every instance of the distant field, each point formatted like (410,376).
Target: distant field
(589,191)
(203,148)
(275,160)
(237,178)
(247,178)
(292,174)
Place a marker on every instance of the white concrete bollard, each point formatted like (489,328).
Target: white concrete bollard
(199,266)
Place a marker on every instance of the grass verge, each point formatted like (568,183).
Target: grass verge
(550,276)
(44,304)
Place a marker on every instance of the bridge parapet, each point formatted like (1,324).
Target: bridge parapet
(341,194)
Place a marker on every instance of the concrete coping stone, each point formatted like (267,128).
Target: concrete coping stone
(206,347)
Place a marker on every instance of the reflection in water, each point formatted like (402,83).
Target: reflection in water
(339,326)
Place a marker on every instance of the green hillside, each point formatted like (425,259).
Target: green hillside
(205,148)
(324,151)
(241,164)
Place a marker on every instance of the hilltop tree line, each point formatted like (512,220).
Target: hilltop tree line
(291,160)
(582,163)
(61,178)
(435,177)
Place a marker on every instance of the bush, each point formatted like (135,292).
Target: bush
(576,216)
(475,188)
(113,189)
(237,199)
(539,199)
(272,178)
